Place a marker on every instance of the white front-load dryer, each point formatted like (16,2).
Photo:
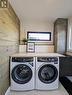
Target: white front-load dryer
(47,73)
(22,73)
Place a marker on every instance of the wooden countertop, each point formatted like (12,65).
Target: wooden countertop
(36,55)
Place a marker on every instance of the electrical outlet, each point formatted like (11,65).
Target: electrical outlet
(3,3)
(0,76)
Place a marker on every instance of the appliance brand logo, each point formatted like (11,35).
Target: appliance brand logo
(3,3)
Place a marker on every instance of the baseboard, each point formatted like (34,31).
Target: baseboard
(8,91)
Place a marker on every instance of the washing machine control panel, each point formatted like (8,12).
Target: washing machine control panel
(48,59)
(22,59)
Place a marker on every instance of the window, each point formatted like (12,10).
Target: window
(39,36)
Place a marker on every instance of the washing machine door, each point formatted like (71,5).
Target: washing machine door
(47,73)
(21,74)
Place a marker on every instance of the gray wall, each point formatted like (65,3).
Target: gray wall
(9,41)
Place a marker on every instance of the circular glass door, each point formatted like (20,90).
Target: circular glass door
(47,73)
(21,74)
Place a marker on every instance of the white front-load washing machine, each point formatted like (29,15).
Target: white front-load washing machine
(47,73)
(22,73)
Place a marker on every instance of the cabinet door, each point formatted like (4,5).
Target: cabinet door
(60,33)
(65,66)
(61,40)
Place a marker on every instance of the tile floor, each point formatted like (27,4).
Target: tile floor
(59,91)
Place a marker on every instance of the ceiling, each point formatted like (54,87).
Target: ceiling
(42,10)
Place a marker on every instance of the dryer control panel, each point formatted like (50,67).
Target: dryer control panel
(22,59)
(48,59)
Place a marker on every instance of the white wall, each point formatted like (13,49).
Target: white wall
(39,26)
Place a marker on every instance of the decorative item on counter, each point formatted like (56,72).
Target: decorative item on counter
(30,47)
(24,41)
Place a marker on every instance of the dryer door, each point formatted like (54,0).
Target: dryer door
(21,74)
(47,73)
